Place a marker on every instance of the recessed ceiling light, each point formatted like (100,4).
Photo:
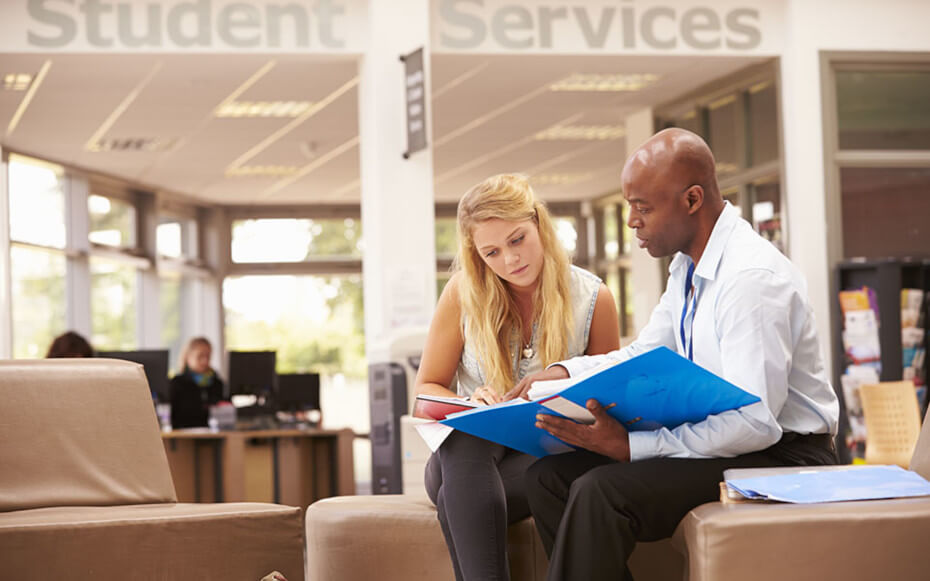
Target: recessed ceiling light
(16,81)
(147,144)
(261,171)
(245,109)
(604,82)
(581,132)
(559,179)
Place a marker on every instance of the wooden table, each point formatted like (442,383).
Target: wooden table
(286,466)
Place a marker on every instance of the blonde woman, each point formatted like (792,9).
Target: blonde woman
(196,387)
(514,305)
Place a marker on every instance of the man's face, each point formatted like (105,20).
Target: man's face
(657,211)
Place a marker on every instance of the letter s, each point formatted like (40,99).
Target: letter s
(470,22)
(40,13)
(750,31)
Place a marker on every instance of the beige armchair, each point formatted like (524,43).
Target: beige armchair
(852,541)
(86,492)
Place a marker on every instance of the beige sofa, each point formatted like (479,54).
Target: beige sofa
(86,492)
(397,537)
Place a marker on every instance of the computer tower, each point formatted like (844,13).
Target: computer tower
(387,384)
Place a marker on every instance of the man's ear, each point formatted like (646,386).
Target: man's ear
(695,198)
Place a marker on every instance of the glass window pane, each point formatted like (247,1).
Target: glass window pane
(883,109)
(611,232)
(37,202)
(168,239)
(885,212)
(766,211)
(112,222)
(626,324)
(724,139)
(446,237)
(567,233)
(692,121)
(295,240)
(112,304)
(763,123)
(38,295)
(315,323)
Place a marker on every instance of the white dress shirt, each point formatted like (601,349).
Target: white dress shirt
(748,321)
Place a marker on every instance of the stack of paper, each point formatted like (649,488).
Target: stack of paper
(826,483)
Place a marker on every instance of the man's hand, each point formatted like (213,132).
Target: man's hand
(519,390)
(606,436)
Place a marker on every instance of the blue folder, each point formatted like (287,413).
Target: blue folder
(656,389)
(808,485)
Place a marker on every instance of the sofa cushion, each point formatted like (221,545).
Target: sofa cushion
(153,541)
(79,432)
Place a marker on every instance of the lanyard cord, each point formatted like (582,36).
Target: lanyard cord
(689,345)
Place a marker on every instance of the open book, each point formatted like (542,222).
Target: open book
(653,390)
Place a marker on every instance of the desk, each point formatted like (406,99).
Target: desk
(292,467)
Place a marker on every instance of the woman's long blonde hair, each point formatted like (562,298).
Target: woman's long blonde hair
(491,317)
(185,353)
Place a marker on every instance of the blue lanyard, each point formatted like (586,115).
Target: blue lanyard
(689,345)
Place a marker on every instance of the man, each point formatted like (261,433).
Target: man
(735,306)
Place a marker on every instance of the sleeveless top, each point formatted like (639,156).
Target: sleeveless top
(583,286)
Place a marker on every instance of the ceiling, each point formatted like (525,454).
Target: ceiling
(151,119)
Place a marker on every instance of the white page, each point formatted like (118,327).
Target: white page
(433,433)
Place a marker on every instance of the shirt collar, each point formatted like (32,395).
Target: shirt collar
(713,252)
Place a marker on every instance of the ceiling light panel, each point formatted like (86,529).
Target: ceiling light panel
(264,171)
(581,133)
(127,144)
(244,109)
(16,81)
(604,82)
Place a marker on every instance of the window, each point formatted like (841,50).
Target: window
(883,109)
(113,304)
(38,267)
(38,283)
(446,237)
(614,259)
(882,167)
(295,239)
(112,222)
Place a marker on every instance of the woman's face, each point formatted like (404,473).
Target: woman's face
(512,250)
(198,359)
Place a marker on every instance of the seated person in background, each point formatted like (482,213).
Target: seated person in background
(69,344)
(196,388)
(734,305)
(515,305)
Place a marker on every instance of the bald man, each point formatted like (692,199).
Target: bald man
(735,306)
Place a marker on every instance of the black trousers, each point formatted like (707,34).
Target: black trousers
(478,489)
(591,510)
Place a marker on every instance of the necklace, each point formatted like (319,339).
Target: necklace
(528,350)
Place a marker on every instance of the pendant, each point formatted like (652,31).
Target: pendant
(527,352)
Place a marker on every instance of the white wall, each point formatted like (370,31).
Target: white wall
(813,27)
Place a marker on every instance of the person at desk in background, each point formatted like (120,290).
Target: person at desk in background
(735,306)
(69,344)
(514,305)
(196,388)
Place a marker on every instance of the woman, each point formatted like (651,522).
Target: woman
(515,305)
(196,388)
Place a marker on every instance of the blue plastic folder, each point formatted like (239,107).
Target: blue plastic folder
(809,485)
(656,389)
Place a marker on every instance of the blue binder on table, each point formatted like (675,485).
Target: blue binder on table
(656,389)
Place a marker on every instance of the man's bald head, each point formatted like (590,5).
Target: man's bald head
(670,184)
(677,156)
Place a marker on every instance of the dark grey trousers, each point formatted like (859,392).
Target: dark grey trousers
(478,489)
(591,510)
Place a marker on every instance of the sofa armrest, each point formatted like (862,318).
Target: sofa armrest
(884,539)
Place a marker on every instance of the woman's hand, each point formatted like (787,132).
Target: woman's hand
(520,390)
(486,394)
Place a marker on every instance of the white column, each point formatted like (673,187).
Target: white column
(645,271)
(6,312)
(803,154)
(77,311)
(399,261)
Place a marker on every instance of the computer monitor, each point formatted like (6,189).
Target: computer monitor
(298,392)
(252,373)
(155,364)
